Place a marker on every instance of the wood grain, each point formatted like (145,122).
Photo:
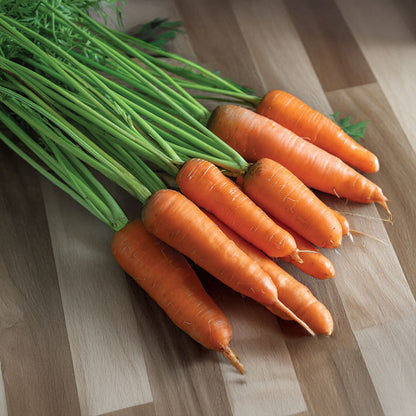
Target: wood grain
(386,137)
(332,48)
(110,369)
(390,49)
(79,337)
(3,401)
(36,361)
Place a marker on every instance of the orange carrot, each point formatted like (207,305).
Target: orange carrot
(314,263)
(283,196)
(256,137)
(292,294)
(343,221)
(205,185)
(177,221)
(295,115)
(167,277)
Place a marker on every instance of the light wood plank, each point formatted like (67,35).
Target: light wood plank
(389,47)
(385,137)
(389,352)
(142,410)
(3,401)
(185,377)
(106,347)
(270,386)
(280,57)
(370,280)
(335,55)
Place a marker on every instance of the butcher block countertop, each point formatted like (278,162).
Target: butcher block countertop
(79,337)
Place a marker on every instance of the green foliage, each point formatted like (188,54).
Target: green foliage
(159,32)
(356,131)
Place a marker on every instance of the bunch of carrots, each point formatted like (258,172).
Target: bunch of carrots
(243,178)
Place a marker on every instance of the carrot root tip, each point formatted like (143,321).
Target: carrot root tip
(292,315)
(233,359)
(369,236)
(390,215)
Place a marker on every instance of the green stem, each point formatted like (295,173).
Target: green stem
(115,222)
(99,160)
(138,42)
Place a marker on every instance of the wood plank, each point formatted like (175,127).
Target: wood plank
(147,409)
(389,352)
(280,57)
(185,377)
(371,290)
(390,49)
(218,41)
(3,401)
(322,375)
(385,137)
(139,12)
(331,47)
(106,347)
(34,351)
(260,343)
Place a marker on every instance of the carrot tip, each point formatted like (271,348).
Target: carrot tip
(383,203)
(292,315)
(369,236)
(233,359)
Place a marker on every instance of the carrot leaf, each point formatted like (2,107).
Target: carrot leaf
(356,131)
(159,31)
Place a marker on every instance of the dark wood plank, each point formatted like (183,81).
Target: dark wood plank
(34,349)
(385,137)
(217,40)
(332,49)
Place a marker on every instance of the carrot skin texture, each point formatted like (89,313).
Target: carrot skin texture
(295,115)
(293,294)
(205,185)
(169,279)
(314,264)
(345,225)
(284,197)
(178,222)
(255,137)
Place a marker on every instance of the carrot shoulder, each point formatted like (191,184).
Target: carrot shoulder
(292,294)
(286,198)
(177,221)
(205,185)
(294,114)
(167,277)
(255,136)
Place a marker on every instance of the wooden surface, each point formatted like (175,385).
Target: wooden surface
(78,337)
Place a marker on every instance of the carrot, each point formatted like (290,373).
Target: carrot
(313,263)
(295,115)
(167,277)
(205,185)
(292,294)
(283,196)
(177,221)
(345,225)
(255,136)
